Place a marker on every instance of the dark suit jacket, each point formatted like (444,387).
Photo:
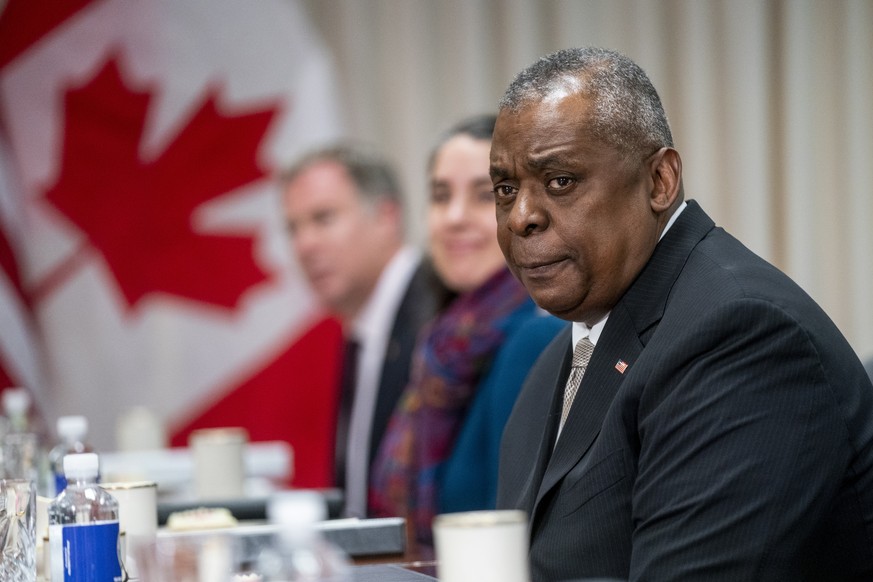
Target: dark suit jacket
(737,445)
(419,305)
(868,364)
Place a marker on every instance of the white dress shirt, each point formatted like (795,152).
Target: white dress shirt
(372,329)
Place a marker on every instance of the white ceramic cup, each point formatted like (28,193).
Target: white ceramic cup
(482,546)
(137,516)
(219,462)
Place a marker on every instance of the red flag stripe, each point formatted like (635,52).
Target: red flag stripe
(9,266)
(24,22)
(6,379)
(292,398)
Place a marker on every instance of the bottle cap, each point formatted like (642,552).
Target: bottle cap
(296,512)
(16,401)
(81,466)
(297,508)
(73,427)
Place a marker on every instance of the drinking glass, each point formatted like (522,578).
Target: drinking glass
(17,530)
(21,456)
(200,556)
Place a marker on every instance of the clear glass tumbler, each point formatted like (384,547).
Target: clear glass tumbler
(21,456)
(17,530)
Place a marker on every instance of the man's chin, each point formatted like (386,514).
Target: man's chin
(557,306)
(329,296)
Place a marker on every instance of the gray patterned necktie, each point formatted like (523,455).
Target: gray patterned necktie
(581,355)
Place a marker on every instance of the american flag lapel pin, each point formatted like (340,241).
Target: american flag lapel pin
(621,366)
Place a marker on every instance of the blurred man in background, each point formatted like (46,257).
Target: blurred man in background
(344,213)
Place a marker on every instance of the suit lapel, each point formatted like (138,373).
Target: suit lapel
(558,361)
(619,341)
(631,322)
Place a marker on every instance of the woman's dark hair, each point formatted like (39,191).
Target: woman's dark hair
(477,127)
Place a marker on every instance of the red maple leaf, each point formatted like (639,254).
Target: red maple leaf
(138,213)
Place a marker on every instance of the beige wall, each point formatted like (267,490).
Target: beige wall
(771,104)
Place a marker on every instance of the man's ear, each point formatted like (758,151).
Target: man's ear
(665,169)
(389,213)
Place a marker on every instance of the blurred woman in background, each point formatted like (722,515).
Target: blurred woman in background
(441,449)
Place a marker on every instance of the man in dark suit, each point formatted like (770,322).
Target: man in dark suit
(344,212)
(723,427)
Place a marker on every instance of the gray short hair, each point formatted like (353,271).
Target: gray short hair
(626,110)
(371,173)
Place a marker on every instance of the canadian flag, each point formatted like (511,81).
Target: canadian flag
(143,260)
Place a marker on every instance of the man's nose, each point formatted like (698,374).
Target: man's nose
(527,214)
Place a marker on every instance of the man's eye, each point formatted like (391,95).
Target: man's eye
(560,183)
(439,196)
(324,218)
(503,190)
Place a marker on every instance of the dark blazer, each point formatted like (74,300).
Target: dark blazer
(737,444)
(423,297)
(868,364)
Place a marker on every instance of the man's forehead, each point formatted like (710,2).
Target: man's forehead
(326,169)
(546,124)
(556,109)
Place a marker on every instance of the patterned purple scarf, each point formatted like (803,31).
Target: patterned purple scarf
(450,356)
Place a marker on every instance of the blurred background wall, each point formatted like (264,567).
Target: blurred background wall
(771,103)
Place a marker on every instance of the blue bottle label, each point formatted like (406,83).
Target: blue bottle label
(60,483)
(85,552)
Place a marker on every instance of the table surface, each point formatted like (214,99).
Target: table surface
(387,573)
(371,573)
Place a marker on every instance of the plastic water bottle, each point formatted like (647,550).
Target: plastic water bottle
(21,452)
(72,431)
(83,526)
(16,407)
(299,553)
